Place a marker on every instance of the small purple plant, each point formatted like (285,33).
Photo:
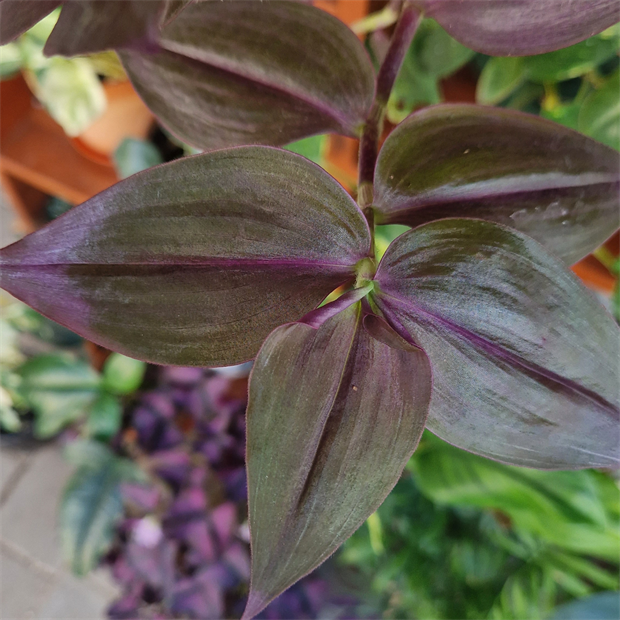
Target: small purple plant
(182,550)
(471,324)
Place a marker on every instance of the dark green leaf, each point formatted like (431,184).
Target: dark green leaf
(122,375)
(196,261)
(525,360)
(535,500)
(333,417)
(59,389)
(529,593)
(508,167)
(600,114)
(241,72)
(499,78)
(521,27)
(570,62)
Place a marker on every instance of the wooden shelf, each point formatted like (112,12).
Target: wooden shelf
(38,160)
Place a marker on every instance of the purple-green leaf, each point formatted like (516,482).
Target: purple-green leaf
(521,27)
(87,26)
(525,361)
(333,417)
(548,181)
(194,262)
(247,72)
(17,16)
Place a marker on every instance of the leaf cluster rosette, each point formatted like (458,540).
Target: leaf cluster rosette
(470,325)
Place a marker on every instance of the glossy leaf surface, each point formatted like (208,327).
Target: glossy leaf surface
(521,27)
(525,361)
(239,72)
(334,414)
(87,26)
(17,16)
(196,261)
(548,181)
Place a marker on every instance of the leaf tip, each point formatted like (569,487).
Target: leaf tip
(257,601)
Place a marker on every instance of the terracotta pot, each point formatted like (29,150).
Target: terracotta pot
(594,274)
(125,117)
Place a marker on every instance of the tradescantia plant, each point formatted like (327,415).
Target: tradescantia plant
(471,324)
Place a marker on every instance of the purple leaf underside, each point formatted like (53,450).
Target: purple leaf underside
(333,417)
(231,73)
(525,361)
(550,182)
(521,27)
(194,262)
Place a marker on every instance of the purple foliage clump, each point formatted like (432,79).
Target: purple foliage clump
(182,550)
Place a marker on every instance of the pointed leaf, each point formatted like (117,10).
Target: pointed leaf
(333,417)
(17,16)
(525,360)
(196,261)
(232,73)
(521,27)
(548,181)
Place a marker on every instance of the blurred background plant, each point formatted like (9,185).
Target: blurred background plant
(70,89)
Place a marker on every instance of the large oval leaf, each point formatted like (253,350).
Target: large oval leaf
(333,417)
(525,361)
(17,16)
(87,26)
(196,261)
(238,72)
(521,27)
(548,181)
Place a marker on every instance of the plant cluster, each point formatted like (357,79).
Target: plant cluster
(471,324)
(182,548)
(465,537)
(48,376)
